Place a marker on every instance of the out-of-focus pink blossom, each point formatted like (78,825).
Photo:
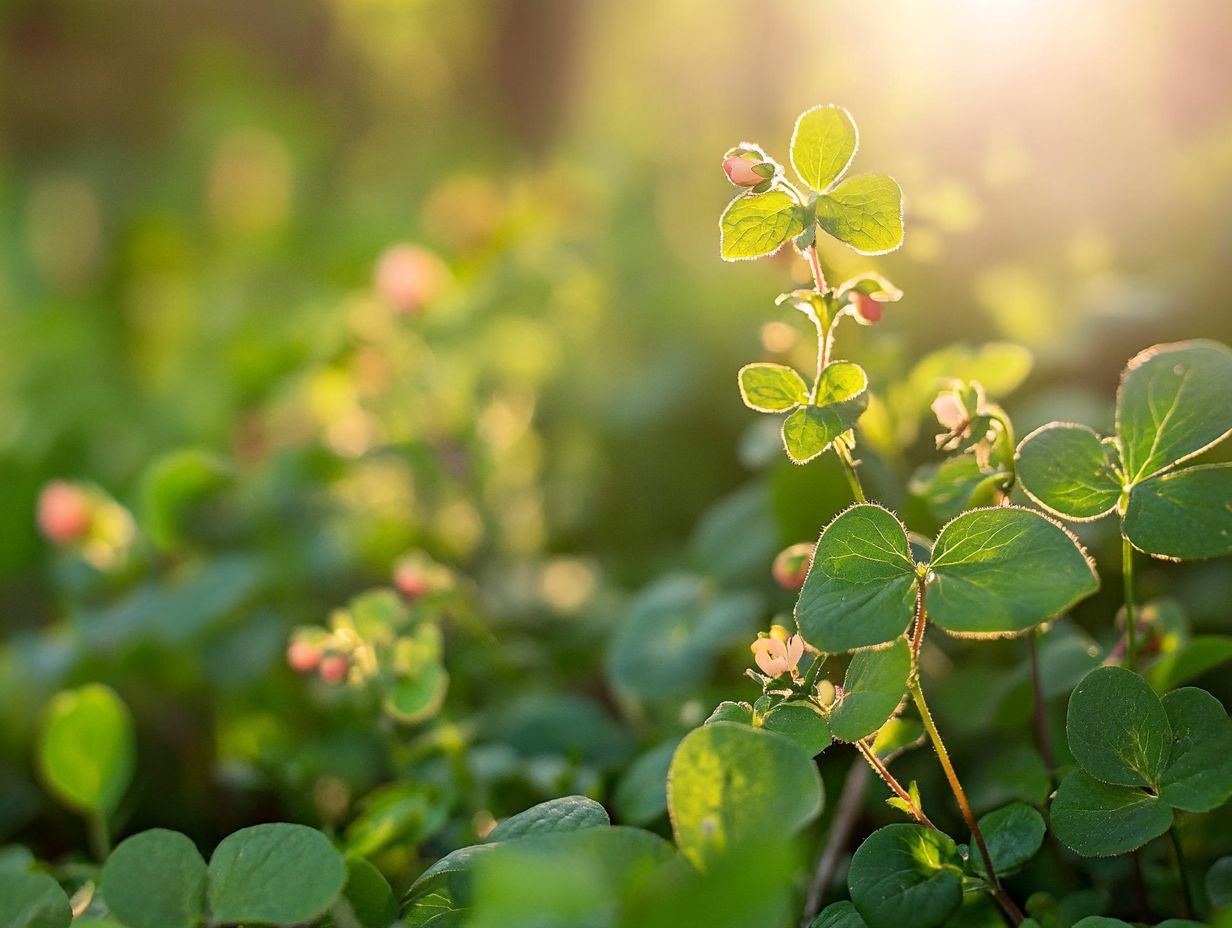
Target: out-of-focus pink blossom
(333,668)
(303,656)
(64,512)
(408,276)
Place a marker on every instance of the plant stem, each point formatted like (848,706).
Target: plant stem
(1186,889)
(998,892)
(1131,621)
(819,279)
(1042,739)
(99,835)
(855,785)
(884,772)
(849,470)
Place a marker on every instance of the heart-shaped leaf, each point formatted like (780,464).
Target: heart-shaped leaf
(802,723)
(1185,514)
(275,874)
(865,212)
(906,875)
(1068,470)
(86,752)
(1100,820)
(1198,777)
(1172,405)
(823,144)
(155,879)
(860,588)
(730,784)
(569,813)
(1013,834)
(768,387)
(872,691)
(1117,728)
(758,224)
(985,570)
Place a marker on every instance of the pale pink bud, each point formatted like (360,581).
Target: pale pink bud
(408,276)
(950,411)
(868,310)
(64,512)
(303,656)
(411,580)
(334,667)
(791,565)
(740,172)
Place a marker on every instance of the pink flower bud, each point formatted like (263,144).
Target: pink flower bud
(303,656)
(64,512)
(791,565)
(408,276)
(868,310)
(740,172)
(950,411)
(334,668)
(411,580)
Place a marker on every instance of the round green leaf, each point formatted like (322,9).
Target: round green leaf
(906,875)
(276,874)
(771,387)
(1172,404)
(1117,728)
(841,400)
(397,813)
(729,784)
(368,895)
(731,711)
(568,813)
(155,879)
(1067,469)
(865,212)
(641,795)
(1198,777)
(1189,660)
(86,751)
(758,224)
(1183,514)
(1219,883)
(1013,833)
(802,723)
(418,696)
(1099,820)
(823,144)
(984,578)
(32,900)
(872,691)
(839,915)
(861,585)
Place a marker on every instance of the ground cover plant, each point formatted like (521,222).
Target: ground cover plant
(362,641)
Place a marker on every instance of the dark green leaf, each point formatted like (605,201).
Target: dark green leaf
(1099,820)
(1117,728)
(1185,515)
(155,879)
(802,723)
(368,896)
(1068,470)
(569,813)
(1191,659)
(1219,883)
(1198,777)
(641,795)
(860,590)
(1013,834)
(906,875)
(32,900)
(839,915)
(872,691)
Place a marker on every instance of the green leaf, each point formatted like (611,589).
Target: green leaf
(841,382)
(1185,515)
(641,794)
(275,874)
(841,399)
(1117,728)
(955,484)
(174,490)
(1198,777)
(1013,834)
(1099,820)
(865,212)
(906,875)
(155,879)
(368,896)
(730,784)
(1189,660)
(1068,470)
(802,723)
(450,876)
(568,813)
(86,751)
(872,691)
(768,387)
(839,915)
(1099,921)
(730,711)
(986,567)
(1219,883)
(860,590)
(397,813)
(32,900)
(1172,404)
(758,224)
(823,144)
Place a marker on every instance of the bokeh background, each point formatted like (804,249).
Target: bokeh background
(195,197)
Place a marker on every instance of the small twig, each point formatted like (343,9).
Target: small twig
(1127,570)
(846,813)
(891,781)
(1043,740)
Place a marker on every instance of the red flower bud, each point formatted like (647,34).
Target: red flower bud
(303,656)
(791,565)
(740,172)
(64,512)
(411,580)
(867,310)
(334,668)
